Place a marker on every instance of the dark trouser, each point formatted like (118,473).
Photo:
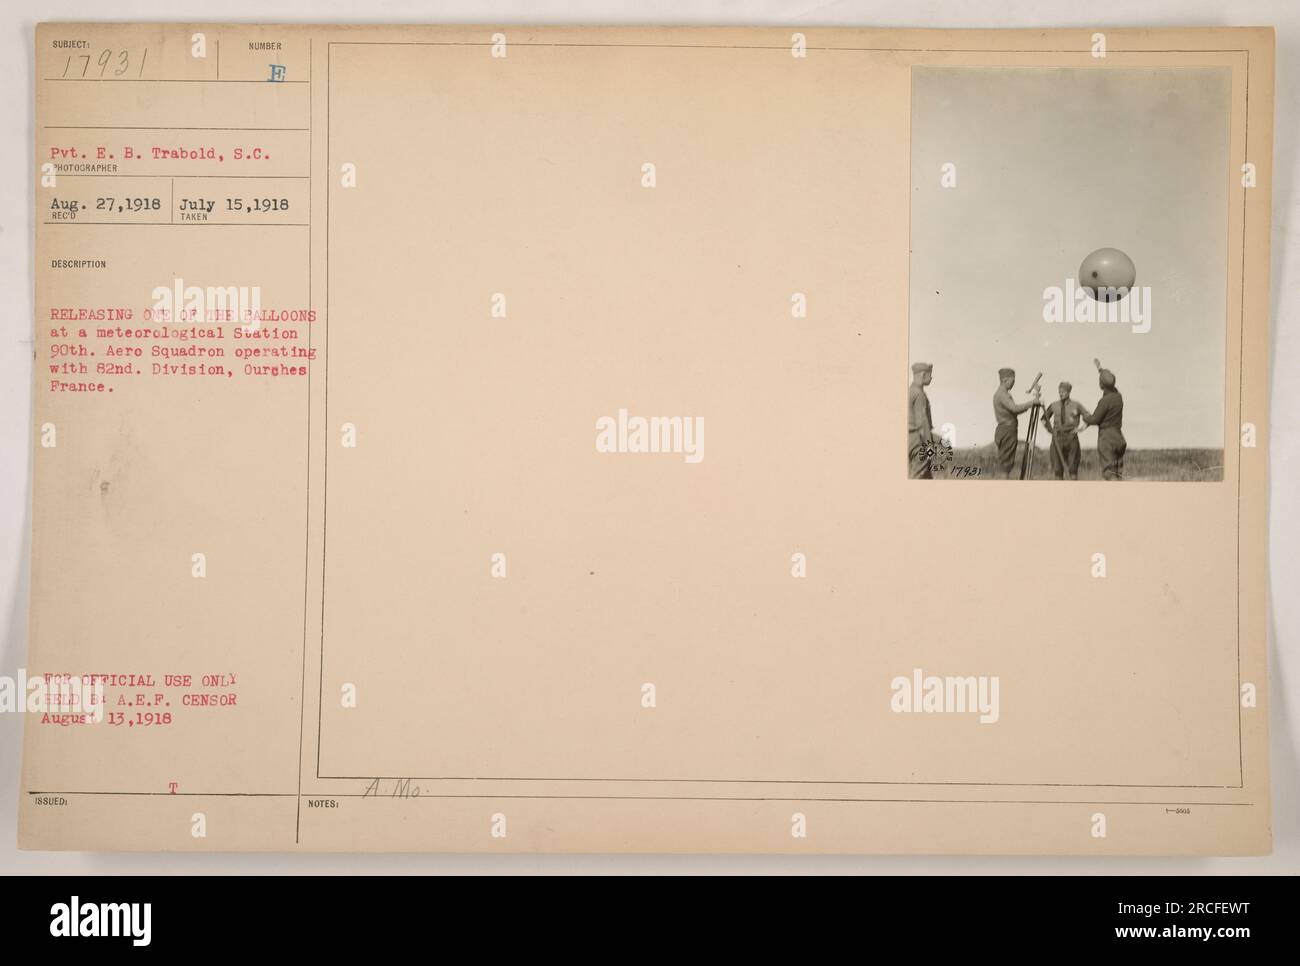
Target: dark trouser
(918,463)
(1110,448)
(1065,455)
(1004,437)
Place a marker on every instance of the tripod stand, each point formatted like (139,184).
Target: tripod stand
(1031,434)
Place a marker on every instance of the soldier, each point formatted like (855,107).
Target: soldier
(1007,413)
(920,427)
(1108,417)
(1063,420)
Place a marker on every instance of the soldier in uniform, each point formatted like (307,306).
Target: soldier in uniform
(1108,417)
(1007,413)
(1063,420)
(920,427)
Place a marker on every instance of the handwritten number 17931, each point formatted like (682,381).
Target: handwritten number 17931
(109,63)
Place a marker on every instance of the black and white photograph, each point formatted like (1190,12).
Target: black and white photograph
(1069,264)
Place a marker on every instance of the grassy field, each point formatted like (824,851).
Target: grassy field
(1139,464)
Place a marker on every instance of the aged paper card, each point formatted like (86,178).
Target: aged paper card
(490,438)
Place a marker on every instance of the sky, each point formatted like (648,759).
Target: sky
(1051,164)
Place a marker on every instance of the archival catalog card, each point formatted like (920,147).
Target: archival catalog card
(493,438)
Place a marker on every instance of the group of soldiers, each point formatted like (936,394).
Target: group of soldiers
(1064,419)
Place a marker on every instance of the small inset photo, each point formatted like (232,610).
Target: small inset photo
(1069,273)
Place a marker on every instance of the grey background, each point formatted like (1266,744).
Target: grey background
(18,19)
